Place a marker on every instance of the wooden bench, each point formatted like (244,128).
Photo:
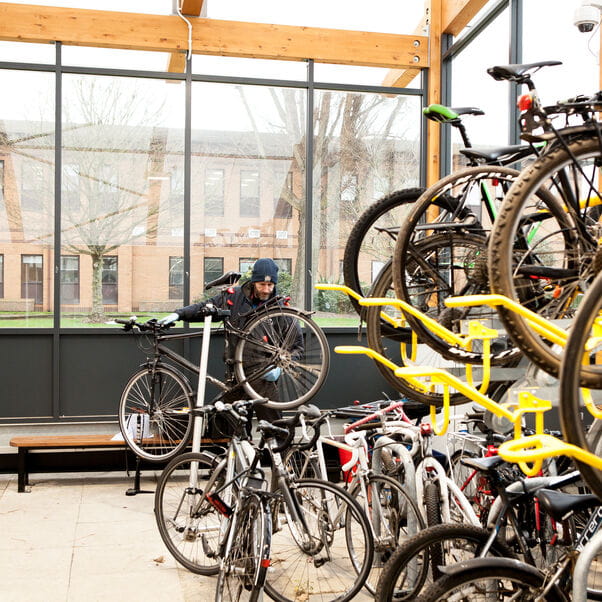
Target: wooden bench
(69,442)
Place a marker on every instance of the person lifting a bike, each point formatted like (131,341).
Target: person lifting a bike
(242,300)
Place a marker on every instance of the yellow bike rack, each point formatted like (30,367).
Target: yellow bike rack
(536,448)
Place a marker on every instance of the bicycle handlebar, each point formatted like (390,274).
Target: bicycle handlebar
(393,406)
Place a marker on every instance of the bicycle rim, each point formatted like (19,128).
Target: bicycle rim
(313,560)
(543,254)
(188,524)
(285,338)
(244,566)
(154,413)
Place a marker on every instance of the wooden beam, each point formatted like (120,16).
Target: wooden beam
(456,14)
(192,8)
(433,134)
(105,29)
(400,78)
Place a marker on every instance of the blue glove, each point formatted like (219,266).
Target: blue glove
(273,375)
(168,320)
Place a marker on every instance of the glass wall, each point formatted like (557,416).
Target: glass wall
(365,147)
(27,155)
(122,210)
(149,212)
(248,181)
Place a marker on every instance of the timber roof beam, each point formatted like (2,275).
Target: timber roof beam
(169,33)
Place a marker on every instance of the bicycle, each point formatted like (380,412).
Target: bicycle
(510,579)
(372,238)
(517,526)
(550,275)
(392,513)
(158,399)
(321,543)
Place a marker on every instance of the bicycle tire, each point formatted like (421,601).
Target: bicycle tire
(406,572)
(188,524)
(160,400)
(301,463)
(519,581)
(369,235)
(564,255)
(244,566)
(445,255)
(398,518)
(389,344)
(335,568)
(432,504)
(268,343)
(575,419)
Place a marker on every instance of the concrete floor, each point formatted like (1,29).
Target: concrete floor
(79,538)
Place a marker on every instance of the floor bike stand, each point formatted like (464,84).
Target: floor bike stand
(136,488)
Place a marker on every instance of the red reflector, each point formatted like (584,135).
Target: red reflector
(265,563)
(265,338)
(231,290)
(495,182)
(229,302)
(524,102)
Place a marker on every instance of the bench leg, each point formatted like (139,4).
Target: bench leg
(22,474)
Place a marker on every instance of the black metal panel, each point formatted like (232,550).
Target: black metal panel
(26,376)
(94,369)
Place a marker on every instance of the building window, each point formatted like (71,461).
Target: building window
(284,194)
(245,265)
(32,187)
(176,277)
(213,268)
(70,200)
(214,192)
(32,273)
(109,280)
(1,276)
(70,279)
(249,193)
(284,265)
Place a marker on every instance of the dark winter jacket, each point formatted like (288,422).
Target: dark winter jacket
(241,303)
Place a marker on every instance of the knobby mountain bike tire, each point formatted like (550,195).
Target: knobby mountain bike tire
(579,424)
(485,579)
(245,563)
(334,561)
(372,240)
(393,515)
(543,252)
(285,338)
(441,252)
(406,573)
(392,344)
(154,413)
(188,524)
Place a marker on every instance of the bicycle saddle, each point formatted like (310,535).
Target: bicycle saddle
(516,72)
(227,278)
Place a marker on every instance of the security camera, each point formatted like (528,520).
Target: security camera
(587,16)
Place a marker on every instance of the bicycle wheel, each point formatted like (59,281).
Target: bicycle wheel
(544,253)
(579,406)
(393,516)
(188,524)
(372,239)
(393,346)
(327,554)
(302,464)
(441,252)
(406,573)
(285,338)
(244,566)
(154,413)
(492,579)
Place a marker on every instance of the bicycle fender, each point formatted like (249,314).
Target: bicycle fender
(489,561)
